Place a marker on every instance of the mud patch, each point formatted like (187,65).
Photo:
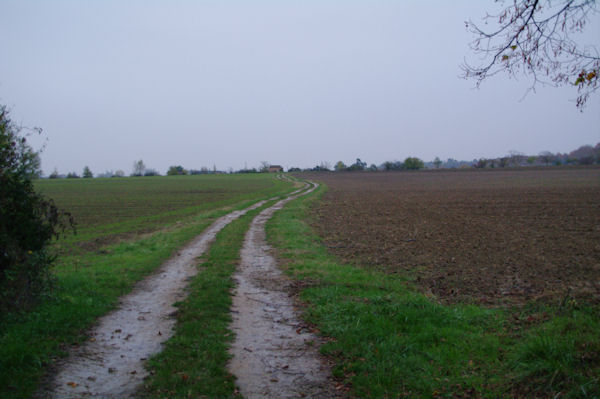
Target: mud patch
(273,355)
(111,363)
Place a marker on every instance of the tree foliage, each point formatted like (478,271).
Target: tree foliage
(176,170)
(586,154)
(322,167)
(28,221)
(151,172)
(139,168)
(340,166)
(413,163)
(392,165)
(87,173)
(358,165)
(264,167)
(535,37)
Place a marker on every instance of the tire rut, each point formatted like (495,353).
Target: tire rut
(273,354)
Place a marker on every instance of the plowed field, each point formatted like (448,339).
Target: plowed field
(488,237)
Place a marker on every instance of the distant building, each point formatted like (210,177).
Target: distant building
(275,169)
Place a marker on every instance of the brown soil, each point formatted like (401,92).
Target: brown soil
(491,237)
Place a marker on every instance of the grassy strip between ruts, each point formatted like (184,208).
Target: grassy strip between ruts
(194,361)
(389,341)
(87,287)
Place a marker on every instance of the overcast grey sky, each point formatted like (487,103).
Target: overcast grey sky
(233,83)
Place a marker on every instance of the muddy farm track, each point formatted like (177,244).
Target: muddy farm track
(111,363)
(271,356)
(490,237)
(274,355)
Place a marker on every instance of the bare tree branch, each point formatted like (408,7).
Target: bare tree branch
(533,37)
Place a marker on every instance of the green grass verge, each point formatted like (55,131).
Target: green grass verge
(387,340)
(194,361)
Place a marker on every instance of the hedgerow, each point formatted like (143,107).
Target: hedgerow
(28,222)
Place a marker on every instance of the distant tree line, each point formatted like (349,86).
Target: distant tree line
(410,163)
(584,155)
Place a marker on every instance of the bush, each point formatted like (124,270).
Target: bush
(151,172)
(54,175)
(388,165)
(412,163)
(176,170)
(87,173)
(28,222)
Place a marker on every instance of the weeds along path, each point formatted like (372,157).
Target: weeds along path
(273,355)
(111,363)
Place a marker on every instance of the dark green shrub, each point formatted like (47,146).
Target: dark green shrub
(176,170)
(28,222)
(412,163)
(151,172)
(87,173)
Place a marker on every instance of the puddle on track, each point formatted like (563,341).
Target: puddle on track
(111,363)
(273,356)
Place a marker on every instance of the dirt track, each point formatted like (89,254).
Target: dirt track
(273,355)
(111,363)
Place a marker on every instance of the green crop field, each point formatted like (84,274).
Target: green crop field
(125,229)
(109,210)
